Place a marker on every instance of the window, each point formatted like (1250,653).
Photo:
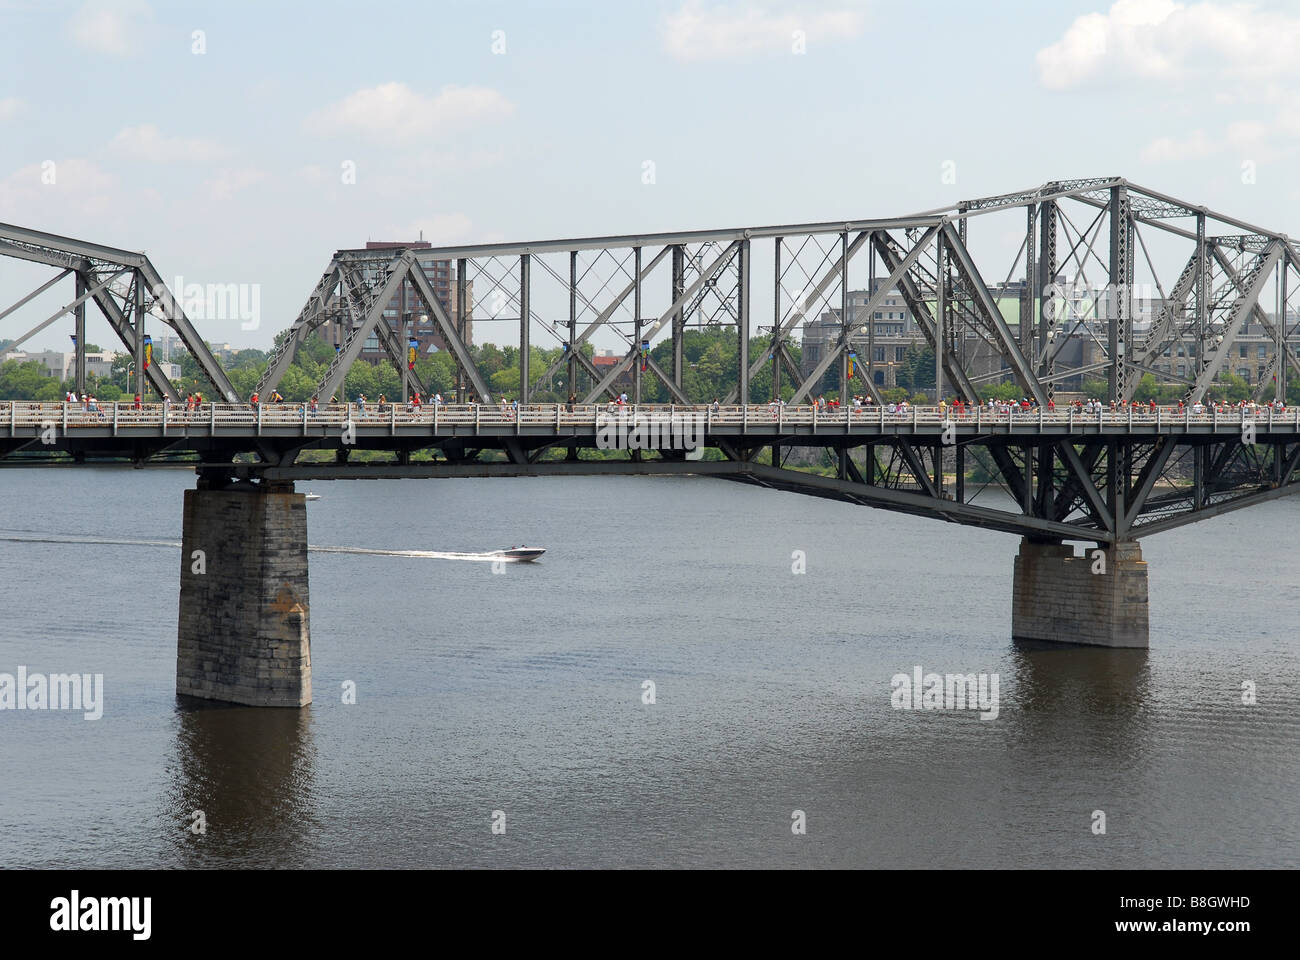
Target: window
(1243,349)
(1263,351)
(878,314)
(1182,369)
(898,354)
(1243,372)
(1180,351)
(880,355)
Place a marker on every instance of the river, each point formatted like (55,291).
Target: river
(518,698)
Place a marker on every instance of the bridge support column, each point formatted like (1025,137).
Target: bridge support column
(1098,599)
(243,634)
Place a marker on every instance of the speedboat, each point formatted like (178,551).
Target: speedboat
(525,554)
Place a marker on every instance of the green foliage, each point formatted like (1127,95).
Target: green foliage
(1001,391)
(917,372)
(26,380)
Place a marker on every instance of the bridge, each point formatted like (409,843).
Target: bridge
(1102,477)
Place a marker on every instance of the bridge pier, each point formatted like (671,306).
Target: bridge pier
(243,632)
(1099,599)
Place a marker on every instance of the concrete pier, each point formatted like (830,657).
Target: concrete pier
(1098,599)
(243,633)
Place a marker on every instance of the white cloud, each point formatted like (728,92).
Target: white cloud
(108,26)
(1165,39)
(1172,149)
(9,107)
(699,32)
(395,112)
(147,142)
(57,192)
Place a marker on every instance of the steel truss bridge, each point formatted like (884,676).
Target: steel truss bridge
(1105,478)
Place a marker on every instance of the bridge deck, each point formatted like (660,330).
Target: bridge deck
(27,421)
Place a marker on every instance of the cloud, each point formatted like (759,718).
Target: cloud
(147,142)
(57,192)
(1171,149)
(696,32)
(9,108)
(395,112)
(108,26)
(1171,41)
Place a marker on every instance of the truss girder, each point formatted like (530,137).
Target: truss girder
(311,316)
(88,260)
(896,274)
(1250,287)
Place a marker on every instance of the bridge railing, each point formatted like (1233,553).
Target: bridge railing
(761,417)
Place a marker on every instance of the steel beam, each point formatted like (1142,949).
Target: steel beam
(1250,286)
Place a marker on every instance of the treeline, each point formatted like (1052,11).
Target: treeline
(709,369)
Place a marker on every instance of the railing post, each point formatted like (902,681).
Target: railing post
(260,408)
(744,418)
(435,418)
(392,419)
(212,418)
(65,417)
(116,405)
(814,429)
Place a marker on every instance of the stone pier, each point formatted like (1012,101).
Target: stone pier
(243,633)
(1098,599)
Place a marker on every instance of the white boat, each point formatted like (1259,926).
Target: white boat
(526,554)
(311,496)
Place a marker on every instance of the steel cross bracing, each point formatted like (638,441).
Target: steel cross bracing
(1112,281)
(128,291)
(645,289)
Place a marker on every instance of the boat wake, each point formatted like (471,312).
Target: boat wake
(311,548)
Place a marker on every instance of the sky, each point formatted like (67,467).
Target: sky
(244,142)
